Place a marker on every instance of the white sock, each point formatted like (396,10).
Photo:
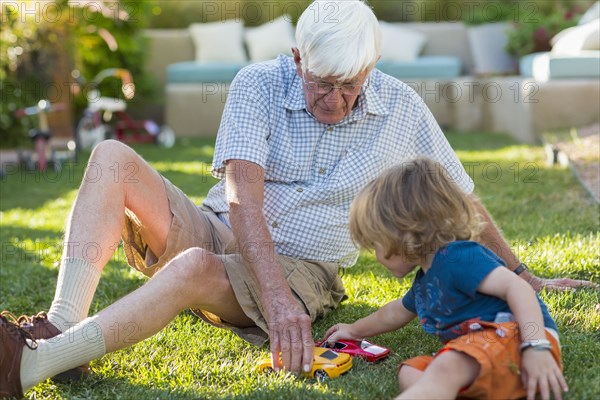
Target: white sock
(79,345)
(75,288)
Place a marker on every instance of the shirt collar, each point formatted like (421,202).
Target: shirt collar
(295,97)
(374,103)
(369,103)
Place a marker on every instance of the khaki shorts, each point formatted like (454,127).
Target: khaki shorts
(496,348)
(315,284)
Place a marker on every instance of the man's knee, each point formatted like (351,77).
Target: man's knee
(112,151)
(113,162)
(198,266)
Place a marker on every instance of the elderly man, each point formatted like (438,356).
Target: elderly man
(299,137)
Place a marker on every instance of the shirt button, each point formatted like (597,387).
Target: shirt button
(300,190)
(274,224)
(330,129)
(322,170)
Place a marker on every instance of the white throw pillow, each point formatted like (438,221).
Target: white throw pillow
(219,41)
(573,40)
(488,48)
(399,43)
(267,41)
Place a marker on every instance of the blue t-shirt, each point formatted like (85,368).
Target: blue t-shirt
(447,295)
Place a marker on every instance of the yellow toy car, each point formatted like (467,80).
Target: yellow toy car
(327,364)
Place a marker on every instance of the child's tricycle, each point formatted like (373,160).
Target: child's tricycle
(45,150)
(105,117)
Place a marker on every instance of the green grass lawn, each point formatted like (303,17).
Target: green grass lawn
(545,215)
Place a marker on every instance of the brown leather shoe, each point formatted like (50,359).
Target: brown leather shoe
(12,340)
(41,328)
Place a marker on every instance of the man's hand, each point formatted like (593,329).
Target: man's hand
(555,284)
(290,334)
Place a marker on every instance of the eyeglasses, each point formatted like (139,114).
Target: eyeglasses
(324,88)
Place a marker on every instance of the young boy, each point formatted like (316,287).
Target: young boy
(499,339)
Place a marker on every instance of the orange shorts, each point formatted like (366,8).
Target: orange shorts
(496,349)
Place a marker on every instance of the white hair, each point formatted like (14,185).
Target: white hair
(338,38)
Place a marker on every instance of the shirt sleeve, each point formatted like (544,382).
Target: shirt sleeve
(408,301)
(431,142)
(244,126)
(466,265)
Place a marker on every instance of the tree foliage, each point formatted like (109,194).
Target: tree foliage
(92,35)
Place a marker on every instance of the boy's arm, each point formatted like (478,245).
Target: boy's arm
(390,317)
(539,367)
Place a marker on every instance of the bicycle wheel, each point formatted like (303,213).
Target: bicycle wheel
(89,134)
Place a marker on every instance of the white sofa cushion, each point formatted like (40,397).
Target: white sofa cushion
(267,41)
(219,41)
(488,47)
(573,40)
(399,43)
(548,66)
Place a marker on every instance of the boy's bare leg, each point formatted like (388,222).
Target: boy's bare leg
(443,378)
(408,376)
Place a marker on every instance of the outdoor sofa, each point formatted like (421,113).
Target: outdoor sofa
(462,73)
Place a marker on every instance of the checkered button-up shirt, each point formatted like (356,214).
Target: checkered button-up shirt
(314,170)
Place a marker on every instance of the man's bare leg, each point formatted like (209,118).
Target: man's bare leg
(195,278)
(116,178)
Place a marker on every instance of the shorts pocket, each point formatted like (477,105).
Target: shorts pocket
(318,288)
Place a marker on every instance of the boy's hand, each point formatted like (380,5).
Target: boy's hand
(539,369)
(340,332)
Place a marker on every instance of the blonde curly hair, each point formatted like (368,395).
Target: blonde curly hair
(412,210)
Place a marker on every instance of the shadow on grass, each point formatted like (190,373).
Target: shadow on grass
(114,388)
(100,387)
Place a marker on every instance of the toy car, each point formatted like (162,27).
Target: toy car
(357,348)
(327,364)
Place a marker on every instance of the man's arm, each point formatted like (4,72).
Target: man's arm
(492,238)
(289,325)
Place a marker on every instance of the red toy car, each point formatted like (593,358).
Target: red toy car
(358,348)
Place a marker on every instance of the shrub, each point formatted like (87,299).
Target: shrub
(90,36)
